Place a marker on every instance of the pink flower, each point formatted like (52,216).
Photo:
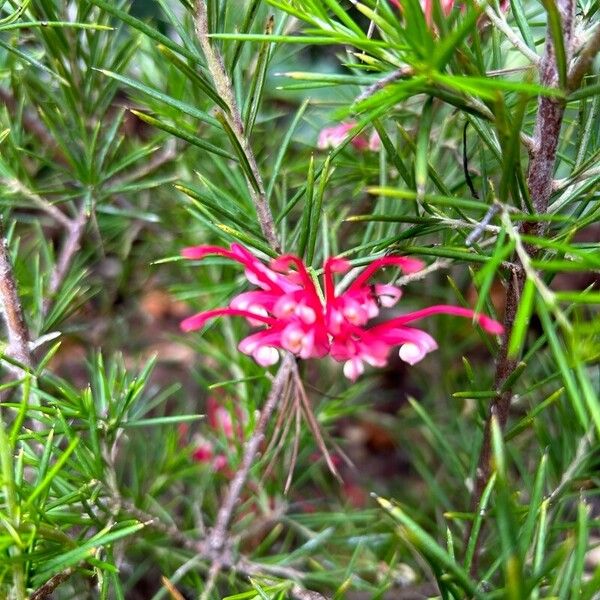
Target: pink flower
(220,422)
(296,316)
(427,7)
(333,137)
(204,453)
(219,418)
(446,6)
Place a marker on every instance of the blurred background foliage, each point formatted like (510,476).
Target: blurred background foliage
(113,158)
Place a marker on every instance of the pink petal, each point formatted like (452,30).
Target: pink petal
(353,369)
(332,137)
(411,353)
(199,320)
(220,462)
(387,294)
(266,337)
(374,142)
(408,265)
(266,356)
(333,265)
(490,325)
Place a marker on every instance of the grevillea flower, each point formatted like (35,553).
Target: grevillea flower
(295,315)
(333,137)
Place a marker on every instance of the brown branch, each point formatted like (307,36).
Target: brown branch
(218,534)
(542,159)
(50,209)
(10,306)
(401,73)
(585,59)
(69,249)
(215,65)
(159,158)
(224,557)
(46,590)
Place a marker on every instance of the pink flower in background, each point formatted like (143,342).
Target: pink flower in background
(295,316)
(220,422)
(374,142)
(427,7)
(335,136)
(446,5)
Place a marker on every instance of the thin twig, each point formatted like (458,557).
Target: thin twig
(214,571)
(483,224)
(215,65)
(401,73)
(241,565)
(585,59)
(501,24)
(218,534)
(70,247)
(164,155)
(14,185)
(46,590)
(12,311)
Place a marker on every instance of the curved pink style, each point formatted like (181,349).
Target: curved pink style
(296,317)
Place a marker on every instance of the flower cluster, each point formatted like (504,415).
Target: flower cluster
(296,316)
(335,136)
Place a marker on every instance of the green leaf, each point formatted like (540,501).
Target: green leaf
(188,109)
(518,13)
(151,32)
(257,83)
(437,557)
(478,522)
(86,550)
(52,472)
(306,220)
(562,362)
(506,521)
(181,133)
(157,421)
(284,147)
(522,318)
(422,149)
(316,212)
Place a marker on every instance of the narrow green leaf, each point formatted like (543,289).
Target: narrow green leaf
(86,550)
(56,467)
(478,522)
(422,149)
(181,133)
(518,13)
(316,211)
(306,220)
(257,83)
(417,536)
(562,362)
(284,147)
(522,318)
(188,109)
(151,32)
